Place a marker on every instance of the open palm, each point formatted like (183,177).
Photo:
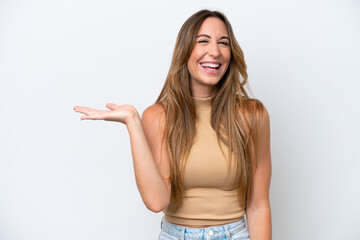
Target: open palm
(117,113)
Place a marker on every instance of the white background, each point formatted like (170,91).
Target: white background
(62,178)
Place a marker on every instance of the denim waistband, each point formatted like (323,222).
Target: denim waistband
(213,232)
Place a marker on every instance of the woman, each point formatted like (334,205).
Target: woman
(202,152)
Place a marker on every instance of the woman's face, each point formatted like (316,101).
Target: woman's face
(209,58)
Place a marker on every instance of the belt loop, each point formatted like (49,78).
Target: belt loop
(182,237)
(228,236)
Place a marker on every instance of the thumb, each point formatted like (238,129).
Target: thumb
(112,106)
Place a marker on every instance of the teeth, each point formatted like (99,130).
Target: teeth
(210,65)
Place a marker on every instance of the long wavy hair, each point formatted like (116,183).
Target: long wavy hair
(233,113)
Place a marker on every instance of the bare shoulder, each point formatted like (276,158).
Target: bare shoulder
(154,116)
(153,122)
(156,109)
(255,118)
(261,114)
(257,109)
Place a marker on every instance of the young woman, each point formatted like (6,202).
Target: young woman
(202,152)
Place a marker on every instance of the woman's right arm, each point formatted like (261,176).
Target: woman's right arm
(151,164)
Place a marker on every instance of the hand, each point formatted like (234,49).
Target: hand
(117,113)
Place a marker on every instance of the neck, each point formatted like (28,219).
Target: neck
(199,90)
(202,103)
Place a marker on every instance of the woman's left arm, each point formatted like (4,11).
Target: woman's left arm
(258,211)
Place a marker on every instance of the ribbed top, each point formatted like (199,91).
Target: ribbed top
(202,103)
(210,193)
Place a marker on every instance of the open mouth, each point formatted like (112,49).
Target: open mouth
(211,66)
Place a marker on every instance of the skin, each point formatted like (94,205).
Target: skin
(212,45)
(258,212)
(151,162)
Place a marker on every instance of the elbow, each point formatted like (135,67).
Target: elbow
(154,209)
(157,202)
(258,209)
(157,206)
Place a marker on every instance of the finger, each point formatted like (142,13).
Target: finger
(93,117)
(80,109)
(112,106)
(84,110)
(86,118)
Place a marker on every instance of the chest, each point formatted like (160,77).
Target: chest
(206,165)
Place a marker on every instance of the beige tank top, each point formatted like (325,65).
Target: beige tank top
(210,194)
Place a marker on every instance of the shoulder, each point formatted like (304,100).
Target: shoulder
(256,108)
(260,111)
(261,120)
(153,116)
(153,111)
(254,113)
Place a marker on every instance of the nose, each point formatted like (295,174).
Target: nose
(213,50)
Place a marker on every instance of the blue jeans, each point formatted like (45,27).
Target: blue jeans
(234,231)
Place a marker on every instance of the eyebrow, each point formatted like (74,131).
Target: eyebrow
(204,35)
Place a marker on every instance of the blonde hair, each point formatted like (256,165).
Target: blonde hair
(233,114)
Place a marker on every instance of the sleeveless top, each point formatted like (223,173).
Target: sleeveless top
(210,194)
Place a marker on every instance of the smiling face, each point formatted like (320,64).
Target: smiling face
(209,58)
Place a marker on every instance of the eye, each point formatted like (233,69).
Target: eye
(224,43)
(203,41)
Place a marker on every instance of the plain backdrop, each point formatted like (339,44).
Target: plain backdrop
(62,178)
